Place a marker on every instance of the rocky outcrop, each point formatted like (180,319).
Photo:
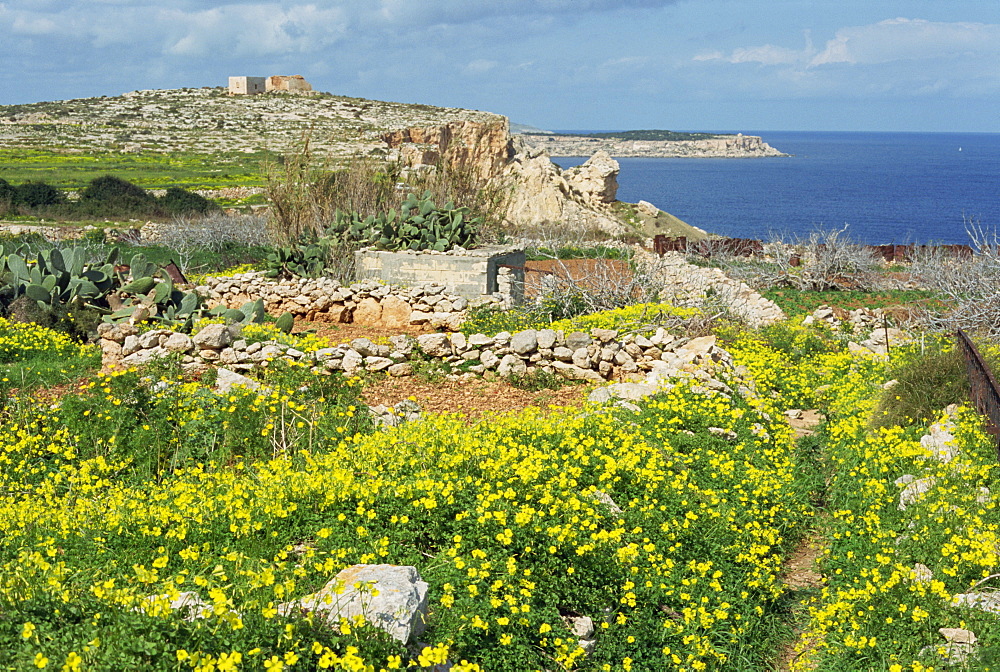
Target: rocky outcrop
(737,146)
(484,147)
(578,198)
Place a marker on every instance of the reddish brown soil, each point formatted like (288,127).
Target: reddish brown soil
(593,273)
(342,332)
(472,398)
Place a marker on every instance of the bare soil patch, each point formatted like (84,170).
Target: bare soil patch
(474,397)
(345,332)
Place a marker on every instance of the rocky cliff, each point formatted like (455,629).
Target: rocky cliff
(485,147)
(542,193)
(582,198)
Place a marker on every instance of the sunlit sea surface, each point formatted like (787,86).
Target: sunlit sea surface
(887,187)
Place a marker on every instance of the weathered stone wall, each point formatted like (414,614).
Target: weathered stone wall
(326,300)
(601,355)
(468,273)
(288,83)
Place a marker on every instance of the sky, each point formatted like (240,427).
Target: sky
(696,65)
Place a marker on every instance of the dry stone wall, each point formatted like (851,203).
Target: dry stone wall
(326,300)
(601,355)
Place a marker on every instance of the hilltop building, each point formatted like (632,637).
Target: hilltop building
(248,86)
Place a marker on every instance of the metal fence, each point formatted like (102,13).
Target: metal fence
(983,386)
(747,247)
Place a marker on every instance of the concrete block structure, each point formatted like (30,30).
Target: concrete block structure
(246,86)
(470,273)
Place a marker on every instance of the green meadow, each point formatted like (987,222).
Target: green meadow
(150,170)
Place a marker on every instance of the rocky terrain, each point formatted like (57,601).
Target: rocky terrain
(209,120)
(723,146)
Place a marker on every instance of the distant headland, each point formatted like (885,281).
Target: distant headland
(651,144)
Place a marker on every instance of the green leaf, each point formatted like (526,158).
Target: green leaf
(38,293)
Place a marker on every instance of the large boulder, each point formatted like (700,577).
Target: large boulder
(390,597)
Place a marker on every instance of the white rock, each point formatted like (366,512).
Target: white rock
(214,337)
(226,379)
(524,342)
(352,363)
(511,364)
(435,345)
(914,491)
(399,608)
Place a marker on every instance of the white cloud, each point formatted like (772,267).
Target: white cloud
(884,42)
(909,39)
(768,54)
(27,24)
(480,66)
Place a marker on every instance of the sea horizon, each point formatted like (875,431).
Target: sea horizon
(886,187)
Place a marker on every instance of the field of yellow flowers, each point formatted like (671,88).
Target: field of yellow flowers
(146,483)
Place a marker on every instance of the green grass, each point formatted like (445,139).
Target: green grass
(796,302)
(148,169)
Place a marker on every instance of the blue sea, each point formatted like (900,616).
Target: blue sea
(887,187)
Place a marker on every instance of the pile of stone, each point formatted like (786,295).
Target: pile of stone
(837,318)
(695,285)
(598,356)
(326,300)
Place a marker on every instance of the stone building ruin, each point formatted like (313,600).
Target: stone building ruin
(248,86)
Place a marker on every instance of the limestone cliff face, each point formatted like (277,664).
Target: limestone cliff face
(578,198)
(483,147)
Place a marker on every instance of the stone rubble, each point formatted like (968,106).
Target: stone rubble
(693,285)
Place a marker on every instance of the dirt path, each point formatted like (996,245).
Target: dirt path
(801,573)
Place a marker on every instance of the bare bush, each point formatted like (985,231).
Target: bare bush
(825,260)
(969,286)
(600,278)
(299,206)
(215,231)
(306,192)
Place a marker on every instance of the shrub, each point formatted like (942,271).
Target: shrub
(111,192)
(178,201)
(37,194)
(490,319)
(8,193)
(925,384)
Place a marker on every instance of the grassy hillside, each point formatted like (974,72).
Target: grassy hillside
(194,137)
